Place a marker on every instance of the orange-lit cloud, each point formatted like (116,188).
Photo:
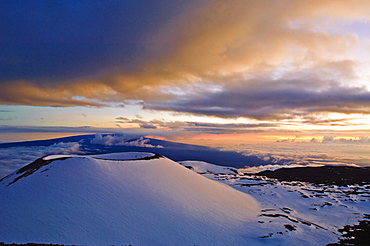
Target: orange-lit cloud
(260,59)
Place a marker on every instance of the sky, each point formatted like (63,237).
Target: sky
(210,72)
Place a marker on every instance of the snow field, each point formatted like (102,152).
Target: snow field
(90,201)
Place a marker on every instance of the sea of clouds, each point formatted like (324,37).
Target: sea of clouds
(303,154)
(14,158)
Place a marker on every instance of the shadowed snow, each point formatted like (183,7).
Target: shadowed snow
(91,201)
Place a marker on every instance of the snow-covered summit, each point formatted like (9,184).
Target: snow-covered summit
(123,198)
(123,156)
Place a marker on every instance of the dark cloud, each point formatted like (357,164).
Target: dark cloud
(21,132)
(46,41)
(322,120)
(148,126)
(204,127)
(122,119)
(231,125)
(274,100)
(30,129)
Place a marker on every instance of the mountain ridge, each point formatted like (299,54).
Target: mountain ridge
(173,150)
(100,200)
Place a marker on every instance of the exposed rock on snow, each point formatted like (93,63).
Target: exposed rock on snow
(334,206)
(335,175)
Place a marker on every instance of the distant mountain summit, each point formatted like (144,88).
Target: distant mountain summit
(132,198)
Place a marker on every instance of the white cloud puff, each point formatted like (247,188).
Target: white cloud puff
(122,140)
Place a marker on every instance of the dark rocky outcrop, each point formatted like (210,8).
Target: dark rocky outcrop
(330,175)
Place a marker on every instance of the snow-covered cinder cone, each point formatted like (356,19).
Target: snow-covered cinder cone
(122,198)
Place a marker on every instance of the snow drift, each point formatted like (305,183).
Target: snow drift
(126,198)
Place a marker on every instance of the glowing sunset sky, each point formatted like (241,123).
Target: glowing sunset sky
(186,69)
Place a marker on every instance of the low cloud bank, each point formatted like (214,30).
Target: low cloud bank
(330,139)
(14,158)
(303,154)
(122,140)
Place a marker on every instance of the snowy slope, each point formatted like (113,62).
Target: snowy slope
(202,167)
(296,212)
(127,198)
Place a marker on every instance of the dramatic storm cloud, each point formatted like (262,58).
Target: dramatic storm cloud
(264,61)
(166,68)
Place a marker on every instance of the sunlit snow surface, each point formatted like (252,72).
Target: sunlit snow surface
(143,198)
(296,213)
